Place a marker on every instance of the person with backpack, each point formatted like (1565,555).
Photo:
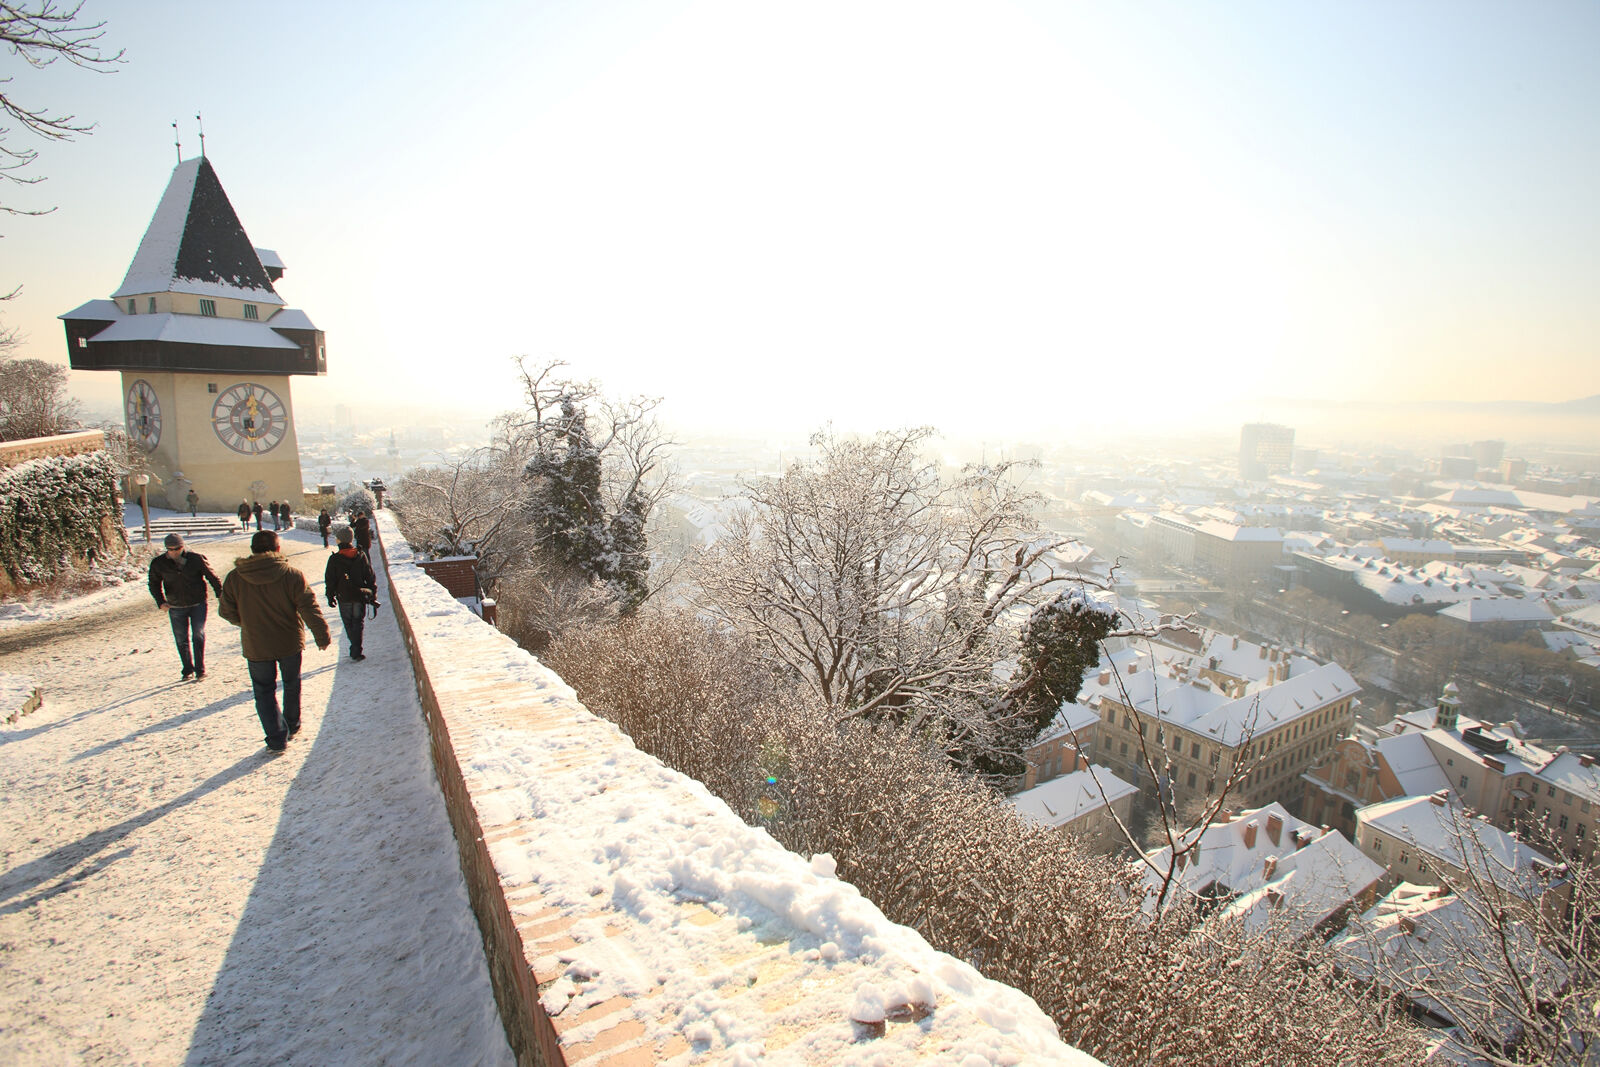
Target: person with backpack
(351,585)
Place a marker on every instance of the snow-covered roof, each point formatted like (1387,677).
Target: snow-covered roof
(1300,875)
(1431,940)
(1228,531)
(1569,771)
(191,330)
(1413,764)
(1071,796)
(1198,707)
(195,244)
(1445,832)
(1497,609)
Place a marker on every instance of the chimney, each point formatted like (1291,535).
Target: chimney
(1270,867)
(1133,667)
(1441,798)
(1261,652)
(1105,677)
(1585,760)
(1408,925)
(1083,762)
(1250,834)
(1303,837)
(1274,827)
(1236,642)
(1274,898)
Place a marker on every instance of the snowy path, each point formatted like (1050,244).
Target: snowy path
(171,892)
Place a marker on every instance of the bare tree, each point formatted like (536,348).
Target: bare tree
(469,507)
(41,32)
(891,592)
(34,400)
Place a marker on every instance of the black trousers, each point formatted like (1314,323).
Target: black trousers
(355,619)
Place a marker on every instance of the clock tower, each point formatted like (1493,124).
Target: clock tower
(206,348)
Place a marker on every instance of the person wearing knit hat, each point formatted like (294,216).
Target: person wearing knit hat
(351,584)
(178,582)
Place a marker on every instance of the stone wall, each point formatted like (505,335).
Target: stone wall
(629,917)
(61,444)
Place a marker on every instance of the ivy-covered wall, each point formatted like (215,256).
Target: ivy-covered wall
(56,511)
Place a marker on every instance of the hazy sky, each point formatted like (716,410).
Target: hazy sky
(972,215)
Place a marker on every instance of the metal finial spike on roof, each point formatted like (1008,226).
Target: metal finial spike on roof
(202,126)
(175,142)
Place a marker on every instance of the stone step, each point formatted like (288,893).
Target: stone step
(183,524)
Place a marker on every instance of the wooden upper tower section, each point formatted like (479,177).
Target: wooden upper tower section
(198,296)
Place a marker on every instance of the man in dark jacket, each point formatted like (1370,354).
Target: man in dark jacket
(363,531)
(324,524)
(244,515)
(350,583)
(255,509)
(178,582)
(268,599)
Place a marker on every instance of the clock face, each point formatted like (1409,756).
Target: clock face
(144,415)
(250,418)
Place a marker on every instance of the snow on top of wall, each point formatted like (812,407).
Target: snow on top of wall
(670,890)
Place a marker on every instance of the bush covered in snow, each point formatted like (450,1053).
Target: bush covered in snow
(942,853)
(57,513)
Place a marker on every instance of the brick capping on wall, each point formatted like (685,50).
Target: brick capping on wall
(61,444)
(642,954)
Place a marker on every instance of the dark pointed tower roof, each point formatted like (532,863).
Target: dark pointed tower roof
(195,244)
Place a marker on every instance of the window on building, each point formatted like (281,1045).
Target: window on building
(211,387)
(1463,781)
(1563,822)
(250,311)
(1192,785)
(1549,790)
(1566,798)
(1581,829)
(1377,844)
(152,307)
(1194,750)
(208,307)
(1124,748)
(1402,859)
(133,306)
(83,342)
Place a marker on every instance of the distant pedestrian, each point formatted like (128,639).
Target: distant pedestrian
(244,515)
(285,515)
(324,524)
(178,582)
(272,513)
(271,603)
(351,585)
(194,503)
(256,510)
(363,531)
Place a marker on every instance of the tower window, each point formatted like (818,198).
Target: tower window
(211,387)
(208,307)
(133,306)
(249,311)
(83,342)
(152,308)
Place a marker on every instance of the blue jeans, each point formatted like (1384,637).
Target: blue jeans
(264,679)
(189,631)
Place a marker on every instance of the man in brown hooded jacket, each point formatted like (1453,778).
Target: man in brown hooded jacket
(268,599)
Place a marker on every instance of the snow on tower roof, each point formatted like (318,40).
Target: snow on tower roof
(195,244)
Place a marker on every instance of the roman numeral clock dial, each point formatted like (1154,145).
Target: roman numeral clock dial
(249,418)
(143,415)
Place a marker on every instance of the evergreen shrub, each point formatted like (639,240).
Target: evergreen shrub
(57,512)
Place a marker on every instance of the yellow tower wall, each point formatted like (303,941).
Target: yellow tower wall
(189,444)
